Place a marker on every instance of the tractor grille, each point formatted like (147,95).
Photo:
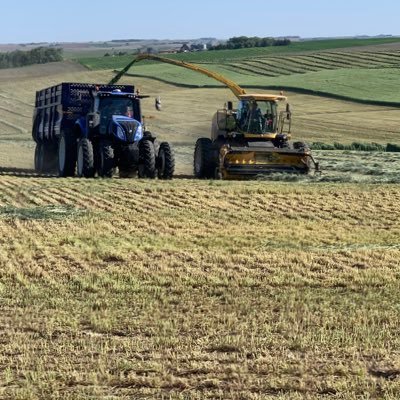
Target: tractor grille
(129,128)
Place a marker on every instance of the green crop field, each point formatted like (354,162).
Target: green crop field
(368,72)
(282,287)
(222,56)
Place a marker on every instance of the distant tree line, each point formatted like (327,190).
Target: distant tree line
(38,55)
(242,42)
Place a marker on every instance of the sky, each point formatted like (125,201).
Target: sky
(27,21)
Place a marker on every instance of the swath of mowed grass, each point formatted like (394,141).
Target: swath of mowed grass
(197,289)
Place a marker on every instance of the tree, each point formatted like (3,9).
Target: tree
(240,42)
(38,55)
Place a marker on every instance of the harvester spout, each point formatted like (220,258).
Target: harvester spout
(233,86)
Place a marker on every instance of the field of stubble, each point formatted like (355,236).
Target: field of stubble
(185,289)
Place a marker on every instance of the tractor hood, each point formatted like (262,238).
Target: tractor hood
(125,129)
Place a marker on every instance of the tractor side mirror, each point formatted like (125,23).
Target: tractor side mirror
(230,106)
(93,120)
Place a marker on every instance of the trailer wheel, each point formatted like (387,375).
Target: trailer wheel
(66,155)
(106,159)
(165,161)
(39,157)
(147,160)
(45,158)
(204,163)
(85,159)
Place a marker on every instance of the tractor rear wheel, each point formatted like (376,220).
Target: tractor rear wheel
(66,154)
(147,160)
(85,159)
(165,161)
(204,161)
(106,159)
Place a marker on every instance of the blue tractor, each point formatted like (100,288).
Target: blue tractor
(89,129)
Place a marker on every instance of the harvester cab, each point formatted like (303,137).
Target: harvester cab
(256,117)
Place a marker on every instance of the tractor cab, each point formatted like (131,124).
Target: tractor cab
(108,104)
(116,114)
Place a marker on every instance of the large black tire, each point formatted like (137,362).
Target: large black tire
(106,159)
(147,160)
(165,161)
(85,159)
(204,162)
(45,158)
(66,154)
(39,158)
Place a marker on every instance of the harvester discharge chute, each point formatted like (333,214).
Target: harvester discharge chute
(252,139)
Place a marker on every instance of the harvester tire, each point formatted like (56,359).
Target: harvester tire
(85,159)
(147,160)
(204,163)
(165,161)
(66,155)
(106,159)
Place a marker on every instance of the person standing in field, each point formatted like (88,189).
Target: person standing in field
(158,103)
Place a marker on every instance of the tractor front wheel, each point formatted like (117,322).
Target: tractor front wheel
(165,161)
(106,159)
(147,160)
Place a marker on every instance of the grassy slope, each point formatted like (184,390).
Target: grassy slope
(353,79)
(381,85)
(155,289)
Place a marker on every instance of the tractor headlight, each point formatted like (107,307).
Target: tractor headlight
(138,133)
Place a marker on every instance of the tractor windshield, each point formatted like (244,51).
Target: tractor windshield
(111,105)
(257,116)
